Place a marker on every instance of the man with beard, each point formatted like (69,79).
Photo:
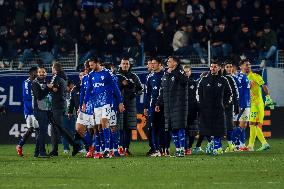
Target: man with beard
(213,95)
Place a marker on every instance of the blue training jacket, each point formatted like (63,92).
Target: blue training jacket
(27,97)
(244,89)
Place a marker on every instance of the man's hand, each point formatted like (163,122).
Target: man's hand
(124,82)
(69,116)
(157,109)
(169,70)
(84,107)
(50,85)
(121,107)
(145,112)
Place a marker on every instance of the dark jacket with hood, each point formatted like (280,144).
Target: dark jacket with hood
(173,99)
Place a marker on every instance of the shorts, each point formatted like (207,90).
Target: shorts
(244,117)
(102,112)
(31,121)
(257,114)
(85,119)
(112,119)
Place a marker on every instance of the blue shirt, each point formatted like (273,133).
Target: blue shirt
(27,97)
(89,104)
(117,98)
(244,89)
(102,86)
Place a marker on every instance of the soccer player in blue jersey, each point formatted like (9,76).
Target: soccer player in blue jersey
(28,110)
(102,87)
(85,117)
(118,83)
(244,102)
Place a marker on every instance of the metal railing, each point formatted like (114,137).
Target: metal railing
(280,59)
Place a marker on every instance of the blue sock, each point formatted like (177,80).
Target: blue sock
(114,140)
(230,135)
(175,138)
(87,138)
(217,142)
(102,140)
(243,135)
(111,141)
(97,142)
(209,138)
(181,137)
(237,133)
(121,141)
(106,132)
(21,142)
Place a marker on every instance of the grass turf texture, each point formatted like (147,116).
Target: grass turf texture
(233,170)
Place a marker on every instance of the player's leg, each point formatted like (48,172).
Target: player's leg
(217,146)
(114,133)
(175,135)
(254,119)
(30,124)
(106,111)
(181,138)
(259,133)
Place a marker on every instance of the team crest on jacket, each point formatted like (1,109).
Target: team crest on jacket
(102,77)
(219,84)
(173,78)
(208,85)
(192,86)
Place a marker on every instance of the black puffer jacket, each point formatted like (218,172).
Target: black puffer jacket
(234,105)
(192,105)
(213,95)
(174,99)
(129,92)
(59,97)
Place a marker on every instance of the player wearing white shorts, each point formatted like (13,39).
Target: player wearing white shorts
(242,118)
(102,87)
(85,118)
(31,121)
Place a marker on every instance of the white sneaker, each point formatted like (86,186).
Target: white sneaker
(262,64)
(202,60)
(66,151)
(1,64)
(156,154)
(83,151)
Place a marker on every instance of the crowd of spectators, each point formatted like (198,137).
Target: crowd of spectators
(134,28)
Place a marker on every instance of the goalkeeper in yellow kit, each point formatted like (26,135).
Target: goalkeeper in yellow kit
(257,108)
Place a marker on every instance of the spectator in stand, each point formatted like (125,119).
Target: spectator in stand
(221,42)
(213,13)
(226,12)
(256,16)
(244,43)
(239,13)
(63,44)
(20,12)
(267,45)
(200,38)
(181,40)
(44,6)
(196,10)
(43,46)
(25,48)
(57,18)
(88,47)
(11,40)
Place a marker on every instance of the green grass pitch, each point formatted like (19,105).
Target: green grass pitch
(253,170)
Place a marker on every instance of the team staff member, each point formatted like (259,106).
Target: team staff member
(41,106)
(214,94)
(132,88)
